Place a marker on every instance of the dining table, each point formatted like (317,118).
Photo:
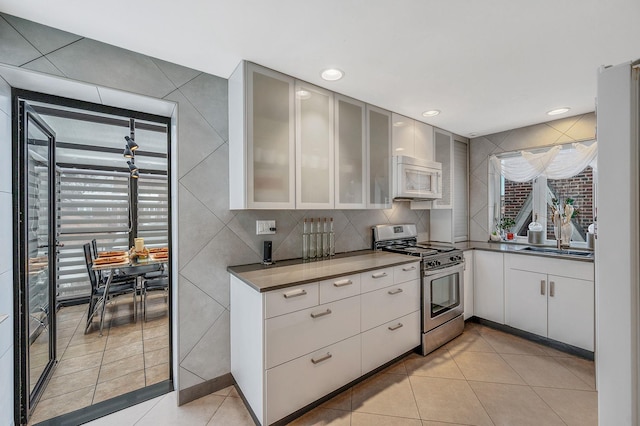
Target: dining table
(133,267)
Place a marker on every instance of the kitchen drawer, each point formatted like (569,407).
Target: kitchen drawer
(293,385)
(408,272)
(376,279)
(399,336)
(339,288)
(290,299)
(381,306)
(298,333)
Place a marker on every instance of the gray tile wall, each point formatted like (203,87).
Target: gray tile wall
(211,237)
(570,129)
(6,265)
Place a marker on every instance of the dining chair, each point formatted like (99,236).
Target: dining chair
(154,284)
(98,295)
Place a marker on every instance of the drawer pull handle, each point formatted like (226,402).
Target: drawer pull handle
(413,268)
(395,327)
(322,358)
(342,283)
(543,284)
(320,314)
(379,275)
(552,289)
(295,293)
(396,291)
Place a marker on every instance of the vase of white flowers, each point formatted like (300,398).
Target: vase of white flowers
(562,213)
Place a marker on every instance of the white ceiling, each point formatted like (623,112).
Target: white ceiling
(488,65)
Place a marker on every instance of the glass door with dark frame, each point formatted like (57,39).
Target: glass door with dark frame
(99,199)
(37,252)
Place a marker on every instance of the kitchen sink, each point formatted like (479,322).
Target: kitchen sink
(549,250)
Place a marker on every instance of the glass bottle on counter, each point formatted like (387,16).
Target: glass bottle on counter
(312,242)
(332,239)
(319,240)
(305,240)
(325,238)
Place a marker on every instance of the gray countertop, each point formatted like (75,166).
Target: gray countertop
(517,249)
(295,272)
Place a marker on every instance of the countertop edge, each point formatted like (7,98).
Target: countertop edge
(514,249)
(233,270)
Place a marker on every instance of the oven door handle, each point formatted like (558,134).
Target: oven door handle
(459,267)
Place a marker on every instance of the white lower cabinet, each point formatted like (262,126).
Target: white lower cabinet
(488,295)
(290,347)
(553,298)
(295,334)
(388,303)
(293,385)
(399,336)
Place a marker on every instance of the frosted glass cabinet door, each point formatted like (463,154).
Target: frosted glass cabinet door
(350,138)
(270,110)
(314,147)
(402,140)
(379,158)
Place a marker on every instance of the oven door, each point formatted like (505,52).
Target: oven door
(442,296)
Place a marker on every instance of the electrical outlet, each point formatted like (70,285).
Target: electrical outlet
(265,227)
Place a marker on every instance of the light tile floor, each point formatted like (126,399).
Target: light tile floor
(483,377)
(129,355)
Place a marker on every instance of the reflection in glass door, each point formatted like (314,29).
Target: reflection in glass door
(36,241)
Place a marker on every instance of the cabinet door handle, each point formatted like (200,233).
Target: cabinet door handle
(395,327)
(413,268)
(320,314)
(379,275)
(552,289)
(543,285)
(295,293)
(322,358)
(342,283)
(396,291)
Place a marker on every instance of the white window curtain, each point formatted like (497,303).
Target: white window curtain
(554,163)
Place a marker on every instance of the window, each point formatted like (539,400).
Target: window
(525,186)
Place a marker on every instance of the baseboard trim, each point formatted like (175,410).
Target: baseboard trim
(554,344)
(206,388)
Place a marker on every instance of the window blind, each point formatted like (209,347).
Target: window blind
(153,210)
(92,204)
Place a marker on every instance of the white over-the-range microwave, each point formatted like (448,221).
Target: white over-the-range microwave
(416,179)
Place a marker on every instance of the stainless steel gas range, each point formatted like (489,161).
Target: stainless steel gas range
(442,282)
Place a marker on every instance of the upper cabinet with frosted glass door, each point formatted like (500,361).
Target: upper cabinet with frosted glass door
(261,139)
(351,153)
(314,147)
(378,158)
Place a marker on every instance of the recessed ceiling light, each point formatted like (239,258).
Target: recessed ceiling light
(431,113)
(303,94)
(332,74)
(558,111)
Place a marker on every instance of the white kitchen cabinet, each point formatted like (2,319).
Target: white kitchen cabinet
(412,138)
(402,138)
(378,158)
(571,311)
(350,153)
(468,283)
(299,382)
(261,139)
(552,298)
(526,301)
(314,147)
(292,346)
(399,336)
(488,300)
(449,217)
(423,141)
